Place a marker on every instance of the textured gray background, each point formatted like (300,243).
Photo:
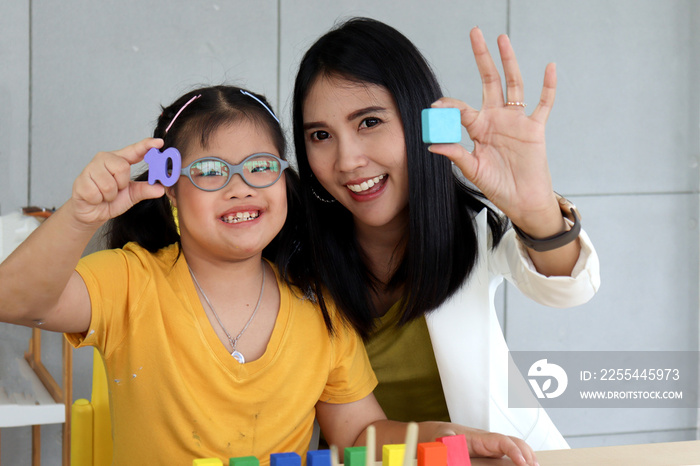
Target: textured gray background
(80,76)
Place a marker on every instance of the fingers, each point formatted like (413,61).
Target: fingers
(455,152)
(102,179)
(520,452)
(549,90)
(109,174)
(134,153)
(515,91)
(514,81)
(496,445)
(467,113)
(140,190)
(490,79)
(459,156)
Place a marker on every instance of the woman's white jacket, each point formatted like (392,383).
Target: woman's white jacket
(469,346)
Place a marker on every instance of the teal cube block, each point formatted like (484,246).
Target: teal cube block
(441,125)
(244,461)
(318,458)
(285,459)
(355,456)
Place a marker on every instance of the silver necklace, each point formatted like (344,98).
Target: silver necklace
(234,341)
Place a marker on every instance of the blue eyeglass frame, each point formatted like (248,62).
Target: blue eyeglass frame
(233,169)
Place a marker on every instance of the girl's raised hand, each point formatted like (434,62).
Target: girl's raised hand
(509,160)
(105,190)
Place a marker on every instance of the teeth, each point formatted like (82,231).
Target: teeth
(365,185)
(240,217)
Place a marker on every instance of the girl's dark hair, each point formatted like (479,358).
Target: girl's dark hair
(441,243)
(151,224)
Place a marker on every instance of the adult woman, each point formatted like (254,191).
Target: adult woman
(411,254)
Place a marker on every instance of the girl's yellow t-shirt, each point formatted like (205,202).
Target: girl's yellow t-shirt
(176,393)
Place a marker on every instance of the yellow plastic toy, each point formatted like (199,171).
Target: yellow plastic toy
(91,430)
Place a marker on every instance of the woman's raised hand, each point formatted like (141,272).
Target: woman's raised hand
(104,189)
(509,160)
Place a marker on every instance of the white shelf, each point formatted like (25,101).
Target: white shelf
(24,401)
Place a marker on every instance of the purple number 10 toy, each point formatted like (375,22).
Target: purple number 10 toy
(158,166)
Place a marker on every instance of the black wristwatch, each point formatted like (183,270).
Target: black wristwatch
(568,210)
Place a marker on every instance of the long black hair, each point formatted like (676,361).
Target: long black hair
(441,241)
(151,223)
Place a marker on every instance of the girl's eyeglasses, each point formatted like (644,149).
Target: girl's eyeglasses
(257,170)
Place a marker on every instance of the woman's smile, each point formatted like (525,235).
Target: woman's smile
(365,187)
(356,149)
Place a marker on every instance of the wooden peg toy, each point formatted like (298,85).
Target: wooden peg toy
(411,442)
(335,461)
(371,437)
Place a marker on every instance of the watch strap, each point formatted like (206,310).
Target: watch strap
(560,239)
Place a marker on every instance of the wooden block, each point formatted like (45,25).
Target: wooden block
(244,461)
(431,454)
(319,458)
(392,455)
(457,450)
(355,456)
(207,462)
(285,459)
(441,125)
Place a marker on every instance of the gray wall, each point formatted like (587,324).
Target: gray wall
(81,76)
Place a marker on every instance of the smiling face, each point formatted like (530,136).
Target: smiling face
(355,144)
(237,221)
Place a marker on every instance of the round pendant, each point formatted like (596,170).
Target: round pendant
(238,356)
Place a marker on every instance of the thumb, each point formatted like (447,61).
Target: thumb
(141,190)
(460,156)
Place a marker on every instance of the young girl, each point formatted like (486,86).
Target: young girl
(208,352)
(405,249)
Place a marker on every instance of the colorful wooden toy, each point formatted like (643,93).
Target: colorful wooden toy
(207,462)
(432,454)
(355,456)
(318,458)
(457,450)
(445,451)
(244,461)
(392,455)
(441,125)
(285,459)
